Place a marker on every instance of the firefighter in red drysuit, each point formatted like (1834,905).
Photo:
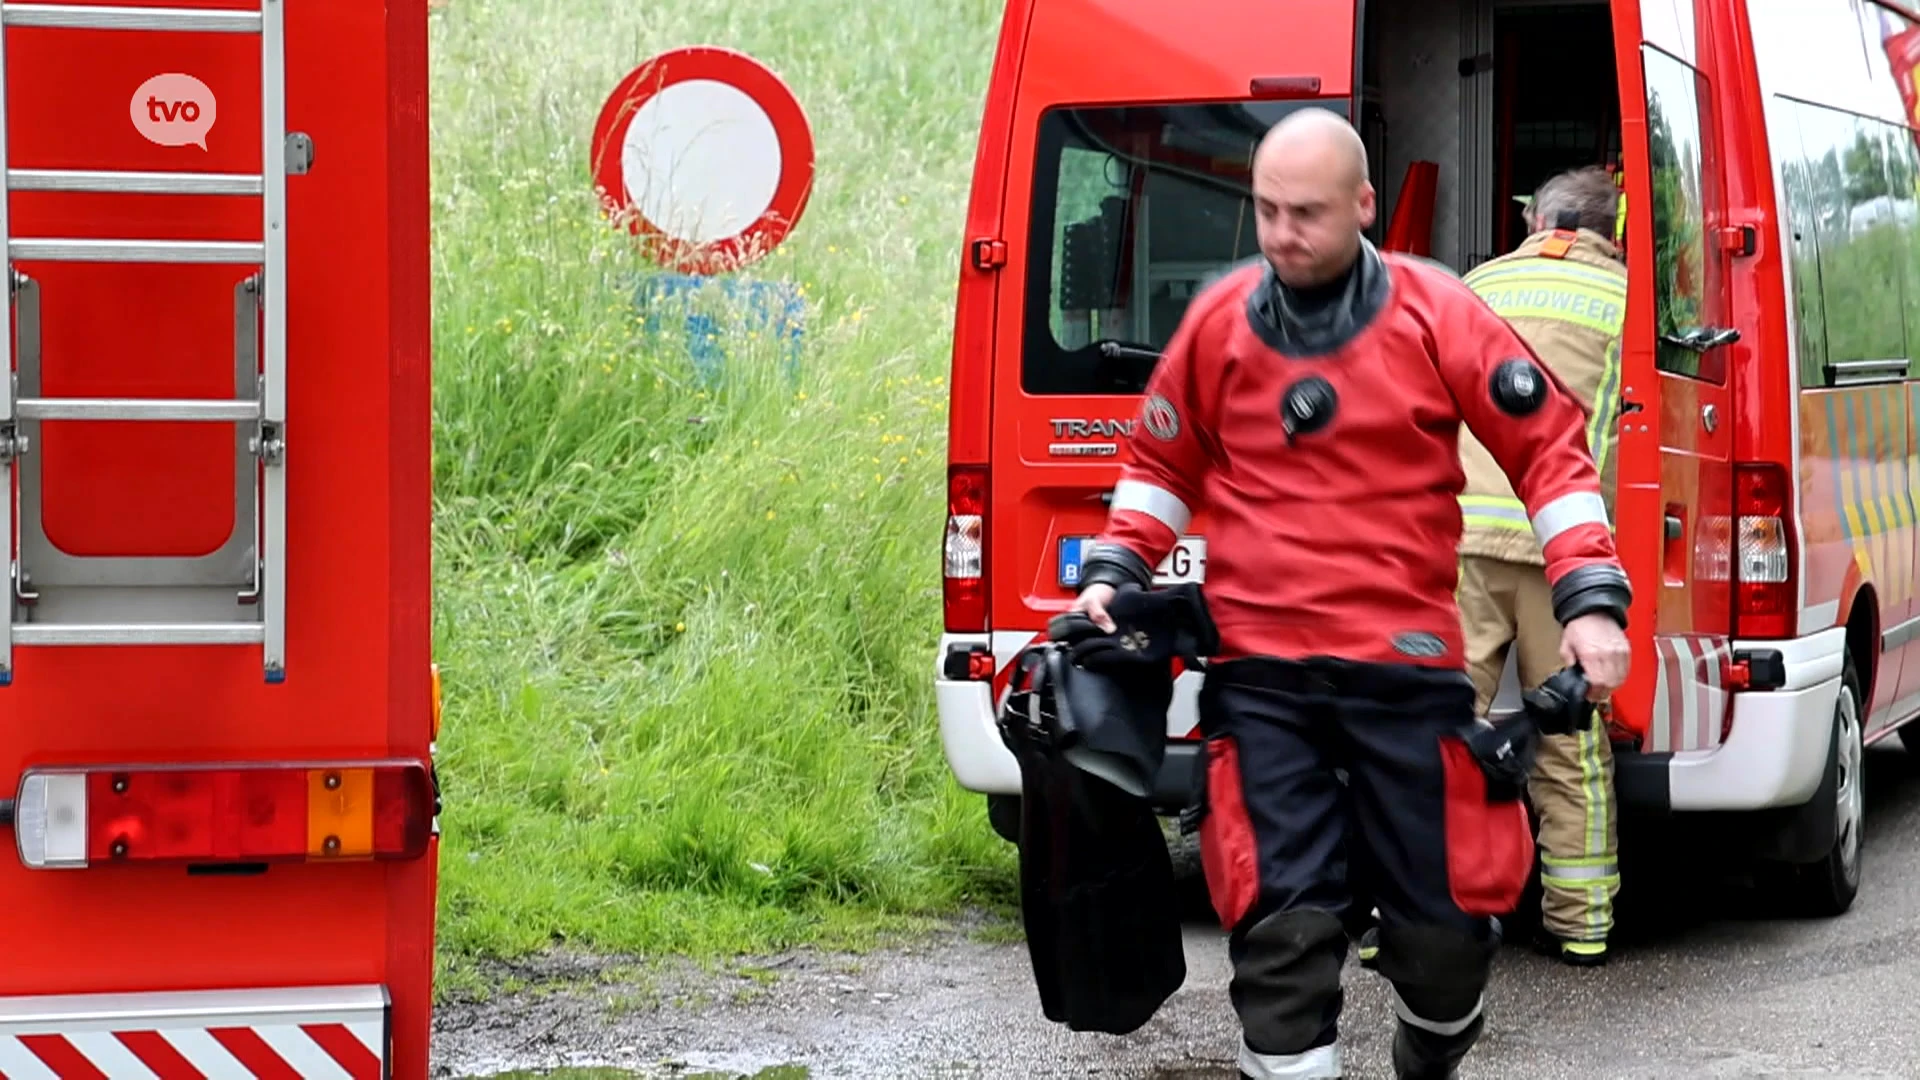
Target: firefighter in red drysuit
(1311,403)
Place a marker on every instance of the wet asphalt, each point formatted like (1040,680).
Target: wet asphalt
(1708,981)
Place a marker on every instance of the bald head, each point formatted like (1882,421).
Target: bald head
(1312,196)
(1317,138)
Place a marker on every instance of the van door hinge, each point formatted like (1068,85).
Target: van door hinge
(988,253)
(299,153)
(1740,240)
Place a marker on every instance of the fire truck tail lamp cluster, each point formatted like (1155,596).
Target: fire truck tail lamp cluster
(72,818)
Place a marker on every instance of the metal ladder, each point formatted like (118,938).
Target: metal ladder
(61,599)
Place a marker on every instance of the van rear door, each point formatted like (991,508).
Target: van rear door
(1675,474)
(1128,190)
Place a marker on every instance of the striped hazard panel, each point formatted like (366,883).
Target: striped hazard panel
(339,1033)
(1690,699)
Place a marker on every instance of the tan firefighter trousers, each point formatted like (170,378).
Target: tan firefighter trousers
(1502,605)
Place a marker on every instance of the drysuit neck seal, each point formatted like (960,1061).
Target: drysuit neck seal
(1319,319)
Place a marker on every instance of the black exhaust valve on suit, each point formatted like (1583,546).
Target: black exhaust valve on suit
(1307,406)
(1518,387)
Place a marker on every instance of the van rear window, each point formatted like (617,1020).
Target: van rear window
(1134,210)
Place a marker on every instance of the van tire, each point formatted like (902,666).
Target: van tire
(1826,887)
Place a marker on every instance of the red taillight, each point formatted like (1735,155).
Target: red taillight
(249,813)
(1764,605)
(965,570)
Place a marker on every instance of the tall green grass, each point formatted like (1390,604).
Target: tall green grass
(687,627)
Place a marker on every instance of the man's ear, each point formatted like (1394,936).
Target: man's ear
(1368,207)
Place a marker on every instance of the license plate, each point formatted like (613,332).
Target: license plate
(1186,562)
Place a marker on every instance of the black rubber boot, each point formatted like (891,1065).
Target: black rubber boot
(1569,952)
(1419,1054)
(1286,981)
(1369,949)
(1439,977)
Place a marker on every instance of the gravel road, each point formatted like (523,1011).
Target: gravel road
(1707,985)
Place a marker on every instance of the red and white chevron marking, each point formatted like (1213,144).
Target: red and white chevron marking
(1690,699)
(339,1051)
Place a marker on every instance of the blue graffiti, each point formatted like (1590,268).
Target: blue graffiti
(773,309)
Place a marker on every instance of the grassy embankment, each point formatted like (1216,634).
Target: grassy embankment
(687,630)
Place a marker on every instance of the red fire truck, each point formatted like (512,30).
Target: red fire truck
(1768,394)
(217,708)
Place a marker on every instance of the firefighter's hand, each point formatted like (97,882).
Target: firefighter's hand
(1599,646)
(1093,604)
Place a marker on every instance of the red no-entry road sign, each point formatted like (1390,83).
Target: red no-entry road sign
(707,152)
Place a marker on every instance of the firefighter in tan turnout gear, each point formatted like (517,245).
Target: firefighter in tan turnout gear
(1565,291)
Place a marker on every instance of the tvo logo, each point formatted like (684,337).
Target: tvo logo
(173,110)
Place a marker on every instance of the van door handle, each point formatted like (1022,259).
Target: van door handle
(1674,527)
(1701,338)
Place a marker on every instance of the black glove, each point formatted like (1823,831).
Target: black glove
(1177,616)
(1151,627)
(1559,706)
(1506,753)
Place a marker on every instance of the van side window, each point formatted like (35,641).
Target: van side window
(1896,45)
(1849,186)
(1803,252)
(1686,196)
(1134,211)
(1849,165)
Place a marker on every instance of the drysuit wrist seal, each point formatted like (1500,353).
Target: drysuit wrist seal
(1599,588)
(1112,564)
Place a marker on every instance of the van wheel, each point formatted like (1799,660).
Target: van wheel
(1827,888)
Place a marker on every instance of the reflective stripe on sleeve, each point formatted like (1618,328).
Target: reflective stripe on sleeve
(1156,502)
(1569,512)
(1319,1063)
(1495,512)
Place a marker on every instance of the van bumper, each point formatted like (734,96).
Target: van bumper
(971,739)
(1774,755)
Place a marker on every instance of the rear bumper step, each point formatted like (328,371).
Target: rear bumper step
(322,1031)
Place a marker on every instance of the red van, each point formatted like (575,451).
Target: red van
(1768,454)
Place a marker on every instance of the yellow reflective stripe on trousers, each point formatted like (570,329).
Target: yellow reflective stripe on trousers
(1549,290)
(1592,872)
(1495,512)
(1592,785)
